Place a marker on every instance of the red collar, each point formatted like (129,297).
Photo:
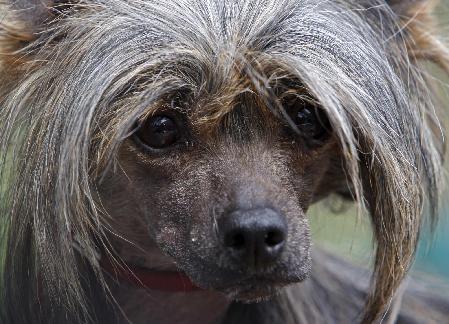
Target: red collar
(170,281)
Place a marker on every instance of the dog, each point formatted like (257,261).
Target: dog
(159,158)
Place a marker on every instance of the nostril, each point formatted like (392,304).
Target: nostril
(274,238)
(235,240)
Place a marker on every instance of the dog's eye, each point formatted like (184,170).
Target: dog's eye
(158,132)
(311,122)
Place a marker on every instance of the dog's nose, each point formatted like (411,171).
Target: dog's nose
(254,238)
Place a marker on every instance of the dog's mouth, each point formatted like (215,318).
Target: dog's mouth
(246,287)
(253,289)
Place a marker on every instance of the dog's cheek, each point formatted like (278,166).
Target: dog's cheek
(317,173)
(183,221)
(171,238)
(167,218)
(308,173)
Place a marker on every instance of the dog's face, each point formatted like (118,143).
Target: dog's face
(227,203)
(215,176)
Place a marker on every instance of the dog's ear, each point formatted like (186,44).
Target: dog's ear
(407,7)
(419,25)
(22,23)
(414,13)
(31,14)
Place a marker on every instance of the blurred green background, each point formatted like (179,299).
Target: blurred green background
(344,233)
(350,236)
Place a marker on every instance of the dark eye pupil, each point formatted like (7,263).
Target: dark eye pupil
(312,122)
(158,132)
(162,125)
(308,123)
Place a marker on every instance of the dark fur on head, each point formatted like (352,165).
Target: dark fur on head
(76,76)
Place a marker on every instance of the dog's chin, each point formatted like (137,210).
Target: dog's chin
(253,292)
(251,289)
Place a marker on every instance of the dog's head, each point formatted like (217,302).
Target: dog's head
(202,131)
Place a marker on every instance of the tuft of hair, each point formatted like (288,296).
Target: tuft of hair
(76,75)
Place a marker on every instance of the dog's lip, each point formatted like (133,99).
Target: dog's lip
(251,283)
(246,288)
(209,276)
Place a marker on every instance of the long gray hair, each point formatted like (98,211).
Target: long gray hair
(76,76)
